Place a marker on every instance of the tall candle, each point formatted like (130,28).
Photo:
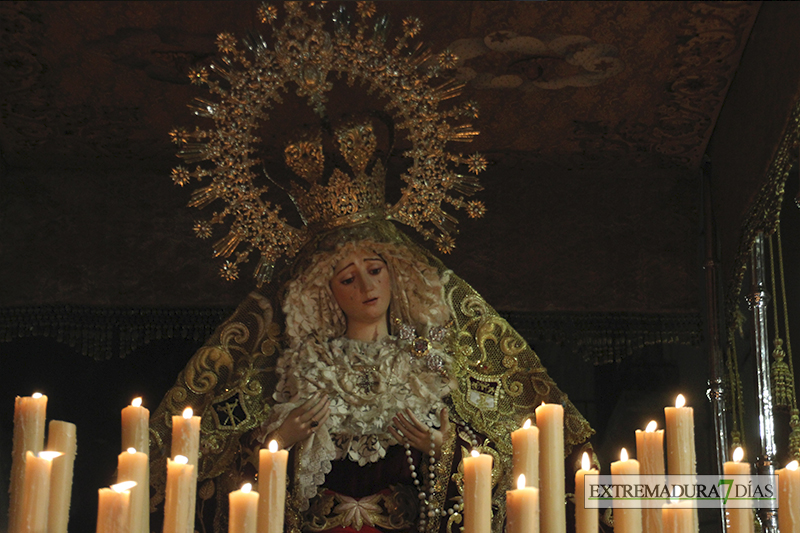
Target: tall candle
(477,493)
(35,492)
(525,461)
(243,507)
(678,517)
(553,513)
(650,453)
(186,436)
(136,427)
(179,496)
(585,519)
(133,466)
(29,417)
(680,444)
(522,508)
(789,499)
(61,438)
(739,520)
(113,508)
(625,520)
(271,488)
(680,438)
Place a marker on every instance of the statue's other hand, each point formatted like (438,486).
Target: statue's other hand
(303,421)
(407,429)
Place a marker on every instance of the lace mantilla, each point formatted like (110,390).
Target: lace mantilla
(368,383)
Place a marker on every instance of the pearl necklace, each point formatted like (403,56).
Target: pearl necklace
(426,486)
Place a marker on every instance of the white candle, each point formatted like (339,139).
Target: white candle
(680,444)
(61,438)
(136,427)
(522,508)
(650,453)
(789,499)
(35,492)
(186,436)
(113,508)
(271,488)
(243,507)
(29,417)
(739,520)
(134,466)
(179,496)
(553,513)
(678,517)
(525,461)
(478,493)
(625,520)
(586,520)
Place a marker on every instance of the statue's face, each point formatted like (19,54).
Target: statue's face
(362,288)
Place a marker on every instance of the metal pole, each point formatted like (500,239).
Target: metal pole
(716,389)
(758,300)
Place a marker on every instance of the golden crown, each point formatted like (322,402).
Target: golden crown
(305,56)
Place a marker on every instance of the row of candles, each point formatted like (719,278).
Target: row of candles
(41,481)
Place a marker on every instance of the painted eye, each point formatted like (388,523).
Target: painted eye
(347,281)
(376,271)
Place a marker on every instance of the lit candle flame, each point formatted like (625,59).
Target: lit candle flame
(623,455)
(131,450)
(521,481)
(136,402)
(181,460)
(188,413)
(792,466)
(122,487)
(585,464)
(680,401)
(247,487)
(49,455)
(738,454)
(527,424)
(475,453)
(651,427)
(273,446)
(36,395)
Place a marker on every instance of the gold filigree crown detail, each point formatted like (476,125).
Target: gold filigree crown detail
(308,54)
(346,199)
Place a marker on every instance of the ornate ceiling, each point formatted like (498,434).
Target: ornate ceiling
(594,118)
(600,85)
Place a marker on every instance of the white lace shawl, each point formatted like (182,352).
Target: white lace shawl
(368,383)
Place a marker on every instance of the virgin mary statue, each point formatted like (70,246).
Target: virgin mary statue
(363,355)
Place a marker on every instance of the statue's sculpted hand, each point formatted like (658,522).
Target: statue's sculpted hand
(407,429)
(302,421)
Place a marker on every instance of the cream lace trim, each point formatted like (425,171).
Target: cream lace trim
(368,383)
